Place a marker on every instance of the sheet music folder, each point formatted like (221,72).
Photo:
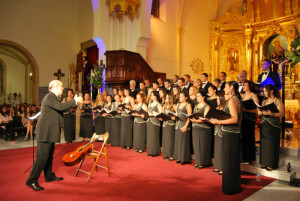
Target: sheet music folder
(217,114)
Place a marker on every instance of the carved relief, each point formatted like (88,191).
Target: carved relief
(197,66)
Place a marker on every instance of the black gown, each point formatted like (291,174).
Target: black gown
(248,136)
(153,132)
(69,125)
(115,135)
(270,139)
(99,122)
(108,121)
(168,137)
(202,137)
(231,180)
(182,150)
(213,104)
(139,131)
(126,129)
(86,121)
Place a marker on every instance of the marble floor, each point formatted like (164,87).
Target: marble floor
(276,191)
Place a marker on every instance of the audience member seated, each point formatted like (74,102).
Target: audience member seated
(6,122)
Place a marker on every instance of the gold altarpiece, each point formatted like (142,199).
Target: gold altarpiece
(246,34)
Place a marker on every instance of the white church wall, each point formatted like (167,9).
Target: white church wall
(161,51)
(50,30)
(196,19)
(123,34)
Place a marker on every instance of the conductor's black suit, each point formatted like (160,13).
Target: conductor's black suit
(47,132)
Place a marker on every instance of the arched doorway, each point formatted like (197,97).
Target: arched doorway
(14,52)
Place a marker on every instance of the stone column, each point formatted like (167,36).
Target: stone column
(178,50)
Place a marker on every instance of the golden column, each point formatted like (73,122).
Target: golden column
(178,50)
(256,57)
(248,33)
(258,18)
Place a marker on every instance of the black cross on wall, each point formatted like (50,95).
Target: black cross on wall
(59,74)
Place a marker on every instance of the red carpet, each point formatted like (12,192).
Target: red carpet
(133,177)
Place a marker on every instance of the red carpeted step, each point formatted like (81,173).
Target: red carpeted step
(134,176)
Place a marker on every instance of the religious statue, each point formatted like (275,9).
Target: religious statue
(72,77)
(277,55)
(86,73)
(233,58)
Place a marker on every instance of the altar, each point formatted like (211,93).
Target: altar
(251,31)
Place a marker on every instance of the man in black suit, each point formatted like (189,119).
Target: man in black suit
(267,73)
(241,79)
(175,80)
(168,86)
(197,83)
(187,80)
(47,132)
(222,78)
(217,83)
(160,83)
(180,83)
(132,90)
(205,83)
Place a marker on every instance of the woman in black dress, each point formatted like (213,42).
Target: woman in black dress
(175,92)
(127,121)
(270,129)
(182,151)
(248,124)
(69,119)
(202,134)
(140,124)
(115,135)
(86,118)
(153,126)
(193,91)
(229,130)
(214,102)
(107,117)
(162,96)
(98,118)
(168,130)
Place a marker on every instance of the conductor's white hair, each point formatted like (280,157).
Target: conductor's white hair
(53,84)
(132,82)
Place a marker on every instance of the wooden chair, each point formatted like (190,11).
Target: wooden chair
(96,155)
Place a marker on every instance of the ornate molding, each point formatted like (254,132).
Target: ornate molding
(119,8)
(197,66)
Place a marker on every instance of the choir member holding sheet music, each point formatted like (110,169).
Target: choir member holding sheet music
(115,135)
(69,119)
(153,127)
(229,129)
(108,119)
(182,152)
(86,118)
(214,103)
(270,128)
(140,124)
(168,130)
(99,119)
(202,134)
(127,121)
(249,99)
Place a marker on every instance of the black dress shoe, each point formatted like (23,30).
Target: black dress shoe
(54,179)
(35,186)
(177,161)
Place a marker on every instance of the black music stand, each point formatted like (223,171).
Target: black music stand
(33,119)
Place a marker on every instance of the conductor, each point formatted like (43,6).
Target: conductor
(48,131)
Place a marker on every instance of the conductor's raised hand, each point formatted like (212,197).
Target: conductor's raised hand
(78,99)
